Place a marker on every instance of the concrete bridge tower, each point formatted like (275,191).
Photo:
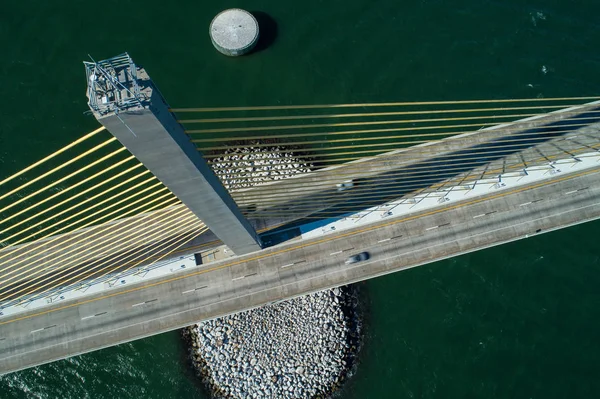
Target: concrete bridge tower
(124,99)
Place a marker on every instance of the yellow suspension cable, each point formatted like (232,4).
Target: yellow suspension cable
(53,262)
(60,181)
(158,238)
(95,205)
(103,244)
(387,104)
(66,190)
(349,170)
(339,197)
(187,238)
(73,269)
(366,114)
(222,170)
(363,123)
(196,225)
(415,143)
(336,133)
(292,199)
(103,182)
(324,212)
(416,177)
(168,202)
(11,251)
(218,166)
(54,154)
(111,227)
(419,128)
(65,164)
(182,241)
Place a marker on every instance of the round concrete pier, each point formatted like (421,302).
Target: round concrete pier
(234,32)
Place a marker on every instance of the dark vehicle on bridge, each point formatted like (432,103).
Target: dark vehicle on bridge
(357,258)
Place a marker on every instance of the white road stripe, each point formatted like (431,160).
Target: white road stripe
(237,278)
(336,253)
(194,289)
(94,315)
(288,265)
(525,203)
(431,228)
(42,329)
(571,192)
(384,240)
(478,216)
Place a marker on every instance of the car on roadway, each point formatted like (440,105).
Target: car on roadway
(357,258)
(346,185)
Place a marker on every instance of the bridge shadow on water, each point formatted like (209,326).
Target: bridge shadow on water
(395,184)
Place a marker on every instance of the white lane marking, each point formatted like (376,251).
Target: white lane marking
(525,203)
(571,192)
(431,228)
(384,240)
(42,329)
(335,253)
(94,315)
(144,303)
(478,216)
(194,289)
(241,277)
(288,265)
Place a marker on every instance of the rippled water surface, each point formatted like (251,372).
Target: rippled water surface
(521,320)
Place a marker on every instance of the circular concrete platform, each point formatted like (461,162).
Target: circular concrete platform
(234,32)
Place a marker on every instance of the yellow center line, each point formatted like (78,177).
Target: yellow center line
(338,236)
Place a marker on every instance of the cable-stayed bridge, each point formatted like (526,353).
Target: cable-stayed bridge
(98,238)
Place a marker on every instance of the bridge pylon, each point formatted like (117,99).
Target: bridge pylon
(125,100)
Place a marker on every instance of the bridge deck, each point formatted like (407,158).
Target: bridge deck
(295,268)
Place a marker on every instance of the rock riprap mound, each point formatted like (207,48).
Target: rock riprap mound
(246,165)
(299,348)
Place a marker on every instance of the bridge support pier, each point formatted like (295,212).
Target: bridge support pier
(124,99)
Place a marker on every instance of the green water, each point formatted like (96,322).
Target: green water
(519,321)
